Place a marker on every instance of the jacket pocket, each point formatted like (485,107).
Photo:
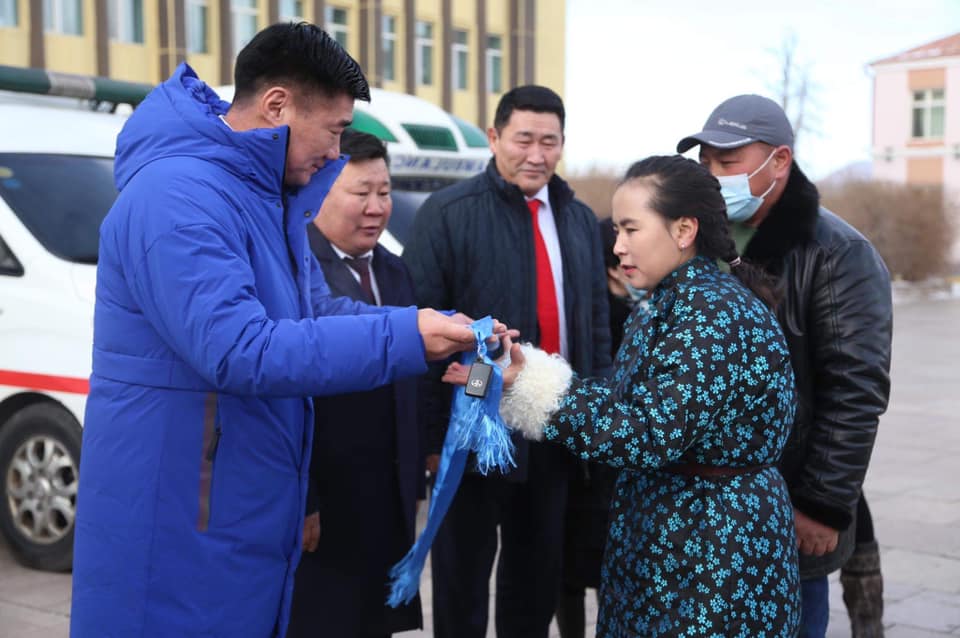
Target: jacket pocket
(211,439)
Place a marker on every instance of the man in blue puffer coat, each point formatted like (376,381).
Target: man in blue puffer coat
(213,327)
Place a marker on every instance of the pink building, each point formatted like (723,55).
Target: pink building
(916,116)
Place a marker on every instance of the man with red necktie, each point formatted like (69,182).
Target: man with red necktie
(512,242)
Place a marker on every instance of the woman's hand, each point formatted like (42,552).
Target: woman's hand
(457,373)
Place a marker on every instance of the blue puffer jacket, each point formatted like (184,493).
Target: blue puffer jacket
(198,434)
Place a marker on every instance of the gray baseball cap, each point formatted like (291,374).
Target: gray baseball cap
(743,120)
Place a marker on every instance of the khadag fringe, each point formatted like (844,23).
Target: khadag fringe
(475,426)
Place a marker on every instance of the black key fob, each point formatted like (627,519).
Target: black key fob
(478,379)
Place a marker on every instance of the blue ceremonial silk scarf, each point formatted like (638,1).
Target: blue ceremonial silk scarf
(475,426)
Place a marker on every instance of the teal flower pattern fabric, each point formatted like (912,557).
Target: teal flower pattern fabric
(703,377)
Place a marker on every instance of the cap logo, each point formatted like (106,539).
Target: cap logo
(726,122)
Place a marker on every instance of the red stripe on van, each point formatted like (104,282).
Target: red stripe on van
(44,382)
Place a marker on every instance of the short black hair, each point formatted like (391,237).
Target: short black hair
(298,54)
(362,146)
(530,97)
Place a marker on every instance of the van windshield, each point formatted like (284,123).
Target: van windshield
(405,207)
(408,193)
(61,199)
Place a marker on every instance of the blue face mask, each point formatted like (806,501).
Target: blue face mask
(741,203)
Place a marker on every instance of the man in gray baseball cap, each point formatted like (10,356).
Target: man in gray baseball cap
(742,120)
(836,315)
(751,138)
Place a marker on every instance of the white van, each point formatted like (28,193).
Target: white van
(56,186)
(429,149)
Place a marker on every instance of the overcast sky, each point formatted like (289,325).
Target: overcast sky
(641,74)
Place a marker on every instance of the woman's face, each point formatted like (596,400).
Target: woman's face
(649,246)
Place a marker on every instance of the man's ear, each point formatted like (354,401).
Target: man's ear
(272,104)
(782,161)
(492,137)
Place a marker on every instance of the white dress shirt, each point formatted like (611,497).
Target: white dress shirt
(356,275)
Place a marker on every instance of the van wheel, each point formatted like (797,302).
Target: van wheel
(39,466)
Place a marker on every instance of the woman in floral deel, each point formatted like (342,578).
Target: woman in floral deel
(701,539)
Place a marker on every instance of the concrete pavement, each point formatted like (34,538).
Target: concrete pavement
(912,489)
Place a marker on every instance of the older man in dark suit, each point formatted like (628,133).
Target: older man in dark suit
(367,467)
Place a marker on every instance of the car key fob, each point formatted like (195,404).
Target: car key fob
(479,379)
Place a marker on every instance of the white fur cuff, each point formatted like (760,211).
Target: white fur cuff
(536,394)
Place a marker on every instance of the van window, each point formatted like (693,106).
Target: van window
(405,207)
(8,261)
(61,199)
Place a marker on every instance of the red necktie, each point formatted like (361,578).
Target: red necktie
(547,315)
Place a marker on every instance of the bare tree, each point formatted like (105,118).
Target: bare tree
(794,88)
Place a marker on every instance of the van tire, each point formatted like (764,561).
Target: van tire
(39,470)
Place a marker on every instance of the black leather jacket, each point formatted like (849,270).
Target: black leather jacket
(471,249)
(837,316)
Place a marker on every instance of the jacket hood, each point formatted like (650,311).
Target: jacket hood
(181,118)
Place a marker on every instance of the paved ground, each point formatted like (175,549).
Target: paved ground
(912,488)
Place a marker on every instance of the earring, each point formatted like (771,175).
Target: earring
(683,246)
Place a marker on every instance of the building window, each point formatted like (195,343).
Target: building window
(423,47)
(928,113)
(63,16)
(245,16)
(126,21)
(459,51)
(389,34)
(198,18)
(291,10)
(494,63)
(335,20)
(8,13)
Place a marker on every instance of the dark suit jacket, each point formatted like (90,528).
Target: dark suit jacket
(472,249)
(366,474)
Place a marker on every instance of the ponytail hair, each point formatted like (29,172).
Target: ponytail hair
(681,187)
